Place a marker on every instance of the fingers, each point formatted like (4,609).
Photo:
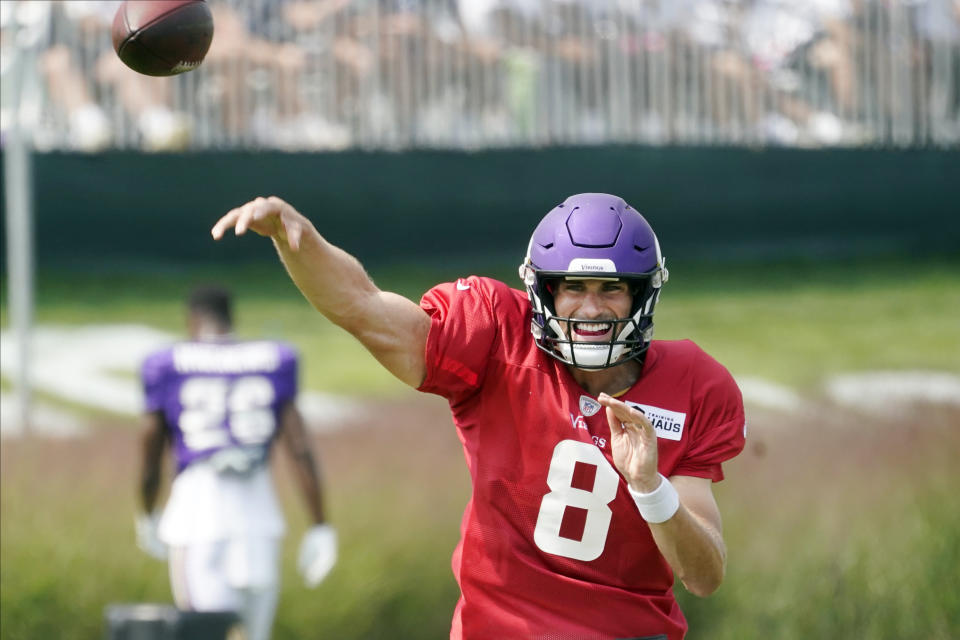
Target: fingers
(243,220)
(289,227)
(224,223)
(294,230)
(620,414)
(256,211)
(271,217)
(238,218)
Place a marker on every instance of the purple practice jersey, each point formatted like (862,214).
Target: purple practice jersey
(221,400)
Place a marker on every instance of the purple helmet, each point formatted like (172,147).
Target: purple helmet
(594,236)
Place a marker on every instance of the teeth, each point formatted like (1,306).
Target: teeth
(593,326)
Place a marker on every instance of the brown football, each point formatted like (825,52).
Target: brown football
(162,37)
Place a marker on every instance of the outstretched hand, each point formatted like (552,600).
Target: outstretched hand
(633,442)
(270,217)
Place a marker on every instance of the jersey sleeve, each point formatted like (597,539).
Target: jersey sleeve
(463,332)
(719,427)
(154,374)
(285,378)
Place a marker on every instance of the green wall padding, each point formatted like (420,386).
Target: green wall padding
(439,206)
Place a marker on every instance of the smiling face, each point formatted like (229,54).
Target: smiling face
(594,305)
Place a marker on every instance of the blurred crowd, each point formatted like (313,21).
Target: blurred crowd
(394,74)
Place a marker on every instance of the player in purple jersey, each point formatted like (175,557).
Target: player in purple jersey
(591,447)
(220,404)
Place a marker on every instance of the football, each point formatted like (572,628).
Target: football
(162,37)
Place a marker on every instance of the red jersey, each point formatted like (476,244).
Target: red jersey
(552,544)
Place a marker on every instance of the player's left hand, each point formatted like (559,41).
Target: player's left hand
(633,442)
(318,554)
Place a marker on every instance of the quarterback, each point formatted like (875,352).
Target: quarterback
(591,447)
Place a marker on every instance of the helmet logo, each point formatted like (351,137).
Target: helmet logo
(601,265)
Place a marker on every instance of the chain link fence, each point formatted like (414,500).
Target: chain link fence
(312,75)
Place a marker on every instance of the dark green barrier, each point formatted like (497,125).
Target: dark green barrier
(442,206)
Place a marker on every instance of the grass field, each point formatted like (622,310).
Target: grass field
(792,323)
(839,524)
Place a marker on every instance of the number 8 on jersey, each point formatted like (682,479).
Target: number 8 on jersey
(563,494)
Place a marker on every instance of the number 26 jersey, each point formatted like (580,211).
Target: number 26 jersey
(222,403)
(220,396)
(552,544)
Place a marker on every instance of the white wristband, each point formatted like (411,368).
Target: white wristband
(660,504)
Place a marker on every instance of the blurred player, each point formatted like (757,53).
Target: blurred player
(592,448)
(220,403)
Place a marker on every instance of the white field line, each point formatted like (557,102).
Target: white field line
(769,395)
(98,366)
(45,420)
(881,391)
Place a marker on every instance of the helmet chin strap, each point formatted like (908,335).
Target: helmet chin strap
(590,354)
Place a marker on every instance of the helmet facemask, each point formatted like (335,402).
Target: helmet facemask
(630,337)
(554,242)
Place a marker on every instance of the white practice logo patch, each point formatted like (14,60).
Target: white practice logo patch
(668,424)
(588,406)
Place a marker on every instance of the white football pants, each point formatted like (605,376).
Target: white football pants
(241,576)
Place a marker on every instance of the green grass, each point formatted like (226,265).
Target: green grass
(857,537)
(792,323)
(67,543)
(795,324)
(833,530)
(850,534)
